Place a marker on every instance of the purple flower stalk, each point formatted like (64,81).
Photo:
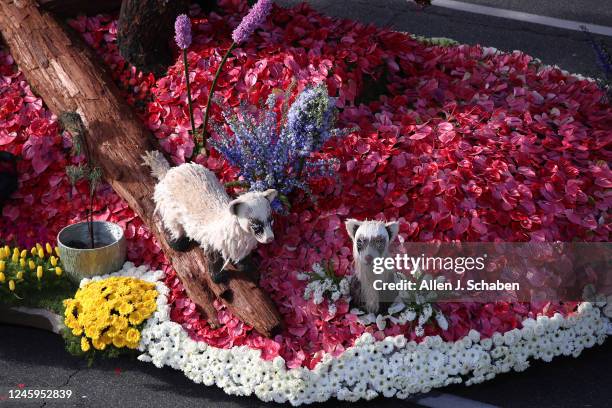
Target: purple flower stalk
(256,16)
(272,156)
(182,31)
(182,36)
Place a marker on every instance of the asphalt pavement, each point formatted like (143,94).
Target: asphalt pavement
(33,358)
(554,46)
(36,359)
(588,11)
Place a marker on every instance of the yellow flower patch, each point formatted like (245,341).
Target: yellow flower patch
(23,272)
(108,312)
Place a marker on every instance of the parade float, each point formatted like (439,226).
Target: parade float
(344,122)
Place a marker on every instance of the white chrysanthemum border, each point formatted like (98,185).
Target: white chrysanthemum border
(393,367)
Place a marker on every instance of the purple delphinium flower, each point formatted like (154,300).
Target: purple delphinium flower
(182,31)
(311,118)
(269,156)
(182,36)
(256,16)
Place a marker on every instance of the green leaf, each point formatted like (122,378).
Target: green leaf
(94,176)
(283,199)
(237,183)
(75,173)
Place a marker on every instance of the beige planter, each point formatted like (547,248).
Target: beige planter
(108,257)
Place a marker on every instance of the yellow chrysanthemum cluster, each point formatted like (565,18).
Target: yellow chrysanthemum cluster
(20,265)
(108,312)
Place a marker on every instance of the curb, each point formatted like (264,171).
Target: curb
(31,317)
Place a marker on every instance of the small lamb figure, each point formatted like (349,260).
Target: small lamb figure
(371,239)
(193,204)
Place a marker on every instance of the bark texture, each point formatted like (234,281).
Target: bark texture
(66,8)
(145,32)
(69,78)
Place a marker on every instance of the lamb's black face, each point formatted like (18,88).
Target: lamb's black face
(371,240)
(262,229)
(378,243)
(254,215)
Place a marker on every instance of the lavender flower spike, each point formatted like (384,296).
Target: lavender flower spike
(256,16)
(182,31)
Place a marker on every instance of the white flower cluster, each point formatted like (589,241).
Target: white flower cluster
(130,270)
(322,286)
(400,313)
(409,306)
(606,309)
(391,367)
(589,294)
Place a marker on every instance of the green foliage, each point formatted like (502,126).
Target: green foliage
(327,271)
(237,184)
(75,173)
(437,41)
(71,122)
(73,346)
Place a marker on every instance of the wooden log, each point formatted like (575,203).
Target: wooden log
(145,31)
(70,8)
(67,8)
(69,78)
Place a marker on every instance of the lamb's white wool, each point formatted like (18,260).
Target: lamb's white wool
(158,164)
(192,202)
(371,240)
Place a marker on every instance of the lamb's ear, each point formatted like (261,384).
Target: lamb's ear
(270,194)
(234,206)
(392,229)
(352,226)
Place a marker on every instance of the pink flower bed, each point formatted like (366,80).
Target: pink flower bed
(464,144)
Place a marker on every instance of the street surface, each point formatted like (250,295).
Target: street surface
(37,359)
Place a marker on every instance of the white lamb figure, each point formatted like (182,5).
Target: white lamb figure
(193,204)
(371,240)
